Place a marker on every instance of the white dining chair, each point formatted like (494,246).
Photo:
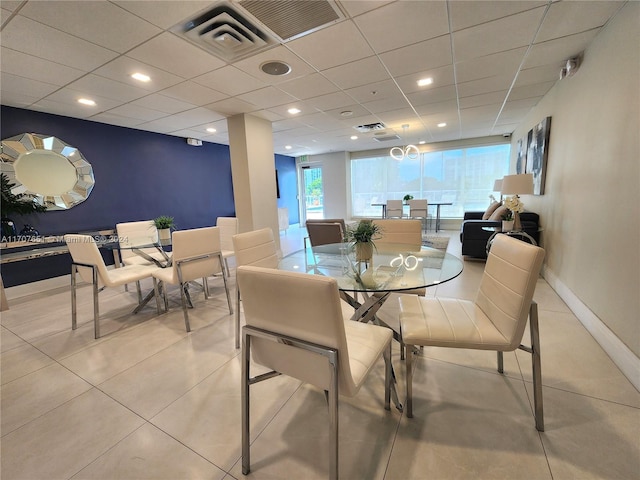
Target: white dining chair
(295,326)
(496,320)
(89,264)
(228,228)
(394,209)
(419,210)
(196,255)
(256,248)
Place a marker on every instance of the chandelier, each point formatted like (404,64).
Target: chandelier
(410,152)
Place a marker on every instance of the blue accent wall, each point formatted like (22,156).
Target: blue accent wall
(139,176)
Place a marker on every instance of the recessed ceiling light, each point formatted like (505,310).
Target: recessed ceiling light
(141,77)
(425,81)
(288,147)
(346,113)
(211,130)
(443,124)
(275,67)
(86,101)
(294,110)
(354,137)
(422,142)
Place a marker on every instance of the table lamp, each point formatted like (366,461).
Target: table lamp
(521,184)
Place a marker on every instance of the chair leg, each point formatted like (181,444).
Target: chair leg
(156,293)
(244,394)
(387,378)
(205,287)
(226,291)
(183,296)
(500,362)
(139,290)
(237,317)
(74,308)
(408,359)
(333,421)
(96,309)
(537,372)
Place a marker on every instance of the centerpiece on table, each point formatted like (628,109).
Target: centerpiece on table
(164,224)
(514,208)
(362,235)
(406,198)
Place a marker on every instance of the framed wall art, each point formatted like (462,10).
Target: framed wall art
(532,153)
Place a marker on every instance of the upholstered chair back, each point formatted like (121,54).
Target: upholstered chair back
(83,249)
(136,233)
(418,208)
(407,232)
(324,233)
(328,220)
(507,285)
(302,306)
(228,228)
(256,248)
(394,209)
(188,244)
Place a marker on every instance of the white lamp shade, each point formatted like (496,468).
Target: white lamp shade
(521,184)
(497,185)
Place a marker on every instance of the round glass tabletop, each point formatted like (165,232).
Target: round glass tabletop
(393,267)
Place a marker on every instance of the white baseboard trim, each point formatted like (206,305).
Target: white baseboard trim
(627,361)
(37,287)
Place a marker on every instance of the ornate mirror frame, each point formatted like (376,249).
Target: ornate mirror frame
(47,169)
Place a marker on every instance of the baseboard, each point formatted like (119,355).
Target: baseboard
(33,288)
(627,361)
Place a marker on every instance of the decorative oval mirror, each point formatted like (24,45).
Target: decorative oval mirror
(47,169)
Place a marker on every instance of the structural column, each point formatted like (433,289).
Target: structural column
(254,173)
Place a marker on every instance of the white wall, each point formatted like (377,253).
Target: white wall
(590,211)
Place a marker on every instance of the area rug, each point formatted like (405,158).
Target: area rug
(435,241)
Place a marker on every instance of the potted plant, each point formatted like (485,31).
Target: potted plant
(511,219)
(363,234)
(407,197)
(14,204)
(164,224)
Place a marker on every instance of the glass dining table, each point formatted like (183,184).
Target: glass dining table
(392,268)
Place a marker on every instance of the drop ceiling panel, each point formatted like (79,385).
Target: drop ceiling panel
(438,107)
(168,14)
(193,93)
(419,57)
(432,95)
(545,73)
(483,99)
(25,88)
(497,36)
(502,63)
(28,66)
(251,65)
(309,86)
(25,35)
(558,51)
(327,47)
(157,101)
(358,7)
(232,106)
(360,72)
(123,67)
(113,118)
(484,85)
(87,19)
(442,77)
(267,97)
(567,18)
(69,97)
(94,85)
(66,108)
(177,56)
(230,80)
(533,90)
(374,91)
(467,13)
(402,23)
(330,101)
(137,113)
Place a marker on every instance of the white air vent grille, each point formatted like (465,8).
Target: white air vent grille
(371,127)
(226,32)
(386,138)
(290,19)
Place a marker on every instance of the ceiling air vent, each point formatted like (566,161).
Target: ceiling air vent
(226,32)
(386,138)
(290,19)
(371,127)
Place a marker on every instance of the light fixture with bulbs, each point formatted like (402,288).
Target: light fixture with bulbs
(410,152)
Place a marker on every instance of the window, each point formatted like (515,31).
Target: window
(463,176)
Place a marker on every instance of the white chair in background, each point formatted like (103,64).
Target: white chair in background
(295,326)
(419,210)
(406,232)
(256,248)
(228,228)
(87,261)
(196,254)
(394,209)
(496,320)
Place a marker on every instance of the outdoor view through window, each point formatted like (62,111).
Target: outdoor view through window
(464,177)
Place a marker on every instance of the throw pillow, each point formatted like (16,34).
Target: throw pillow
(496,216)
(490,210)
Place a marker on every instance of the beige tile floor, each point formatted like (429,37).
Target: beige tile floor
(149,401)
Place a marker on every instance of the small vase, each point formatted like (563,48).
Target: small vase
(364,251)
(507,226)
(164,234)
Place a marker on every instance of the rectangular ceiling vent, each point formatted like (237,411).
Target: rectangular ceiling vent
(226,32)
(289,19)
(386,138)
(371,127)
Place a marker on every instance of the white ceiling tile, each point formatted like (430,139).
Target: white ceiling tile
(567,18)
(121,69)
(136,112)
(466,14)
(230,80)
(102,23)
(497,36)
(162,103)
(165,14)
(26,87)
(354,119)
(485,85)
(438,107)
(360,72)
(558,51)
(64,108)
(432,95)
(267,115)
(502,63)
(95,85)
(194,93)
(483,99)
(532,90)
(403,23)
(309,86)
(266,97)
(71,96)
(28,66)
(442,77)
(113,118)
(358,7)
(545,73)
(327,48)
(319,120)
(251,65)
(232,106)
(419,57)
(33,38)
(330,101)
(175,55)
(374,91)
